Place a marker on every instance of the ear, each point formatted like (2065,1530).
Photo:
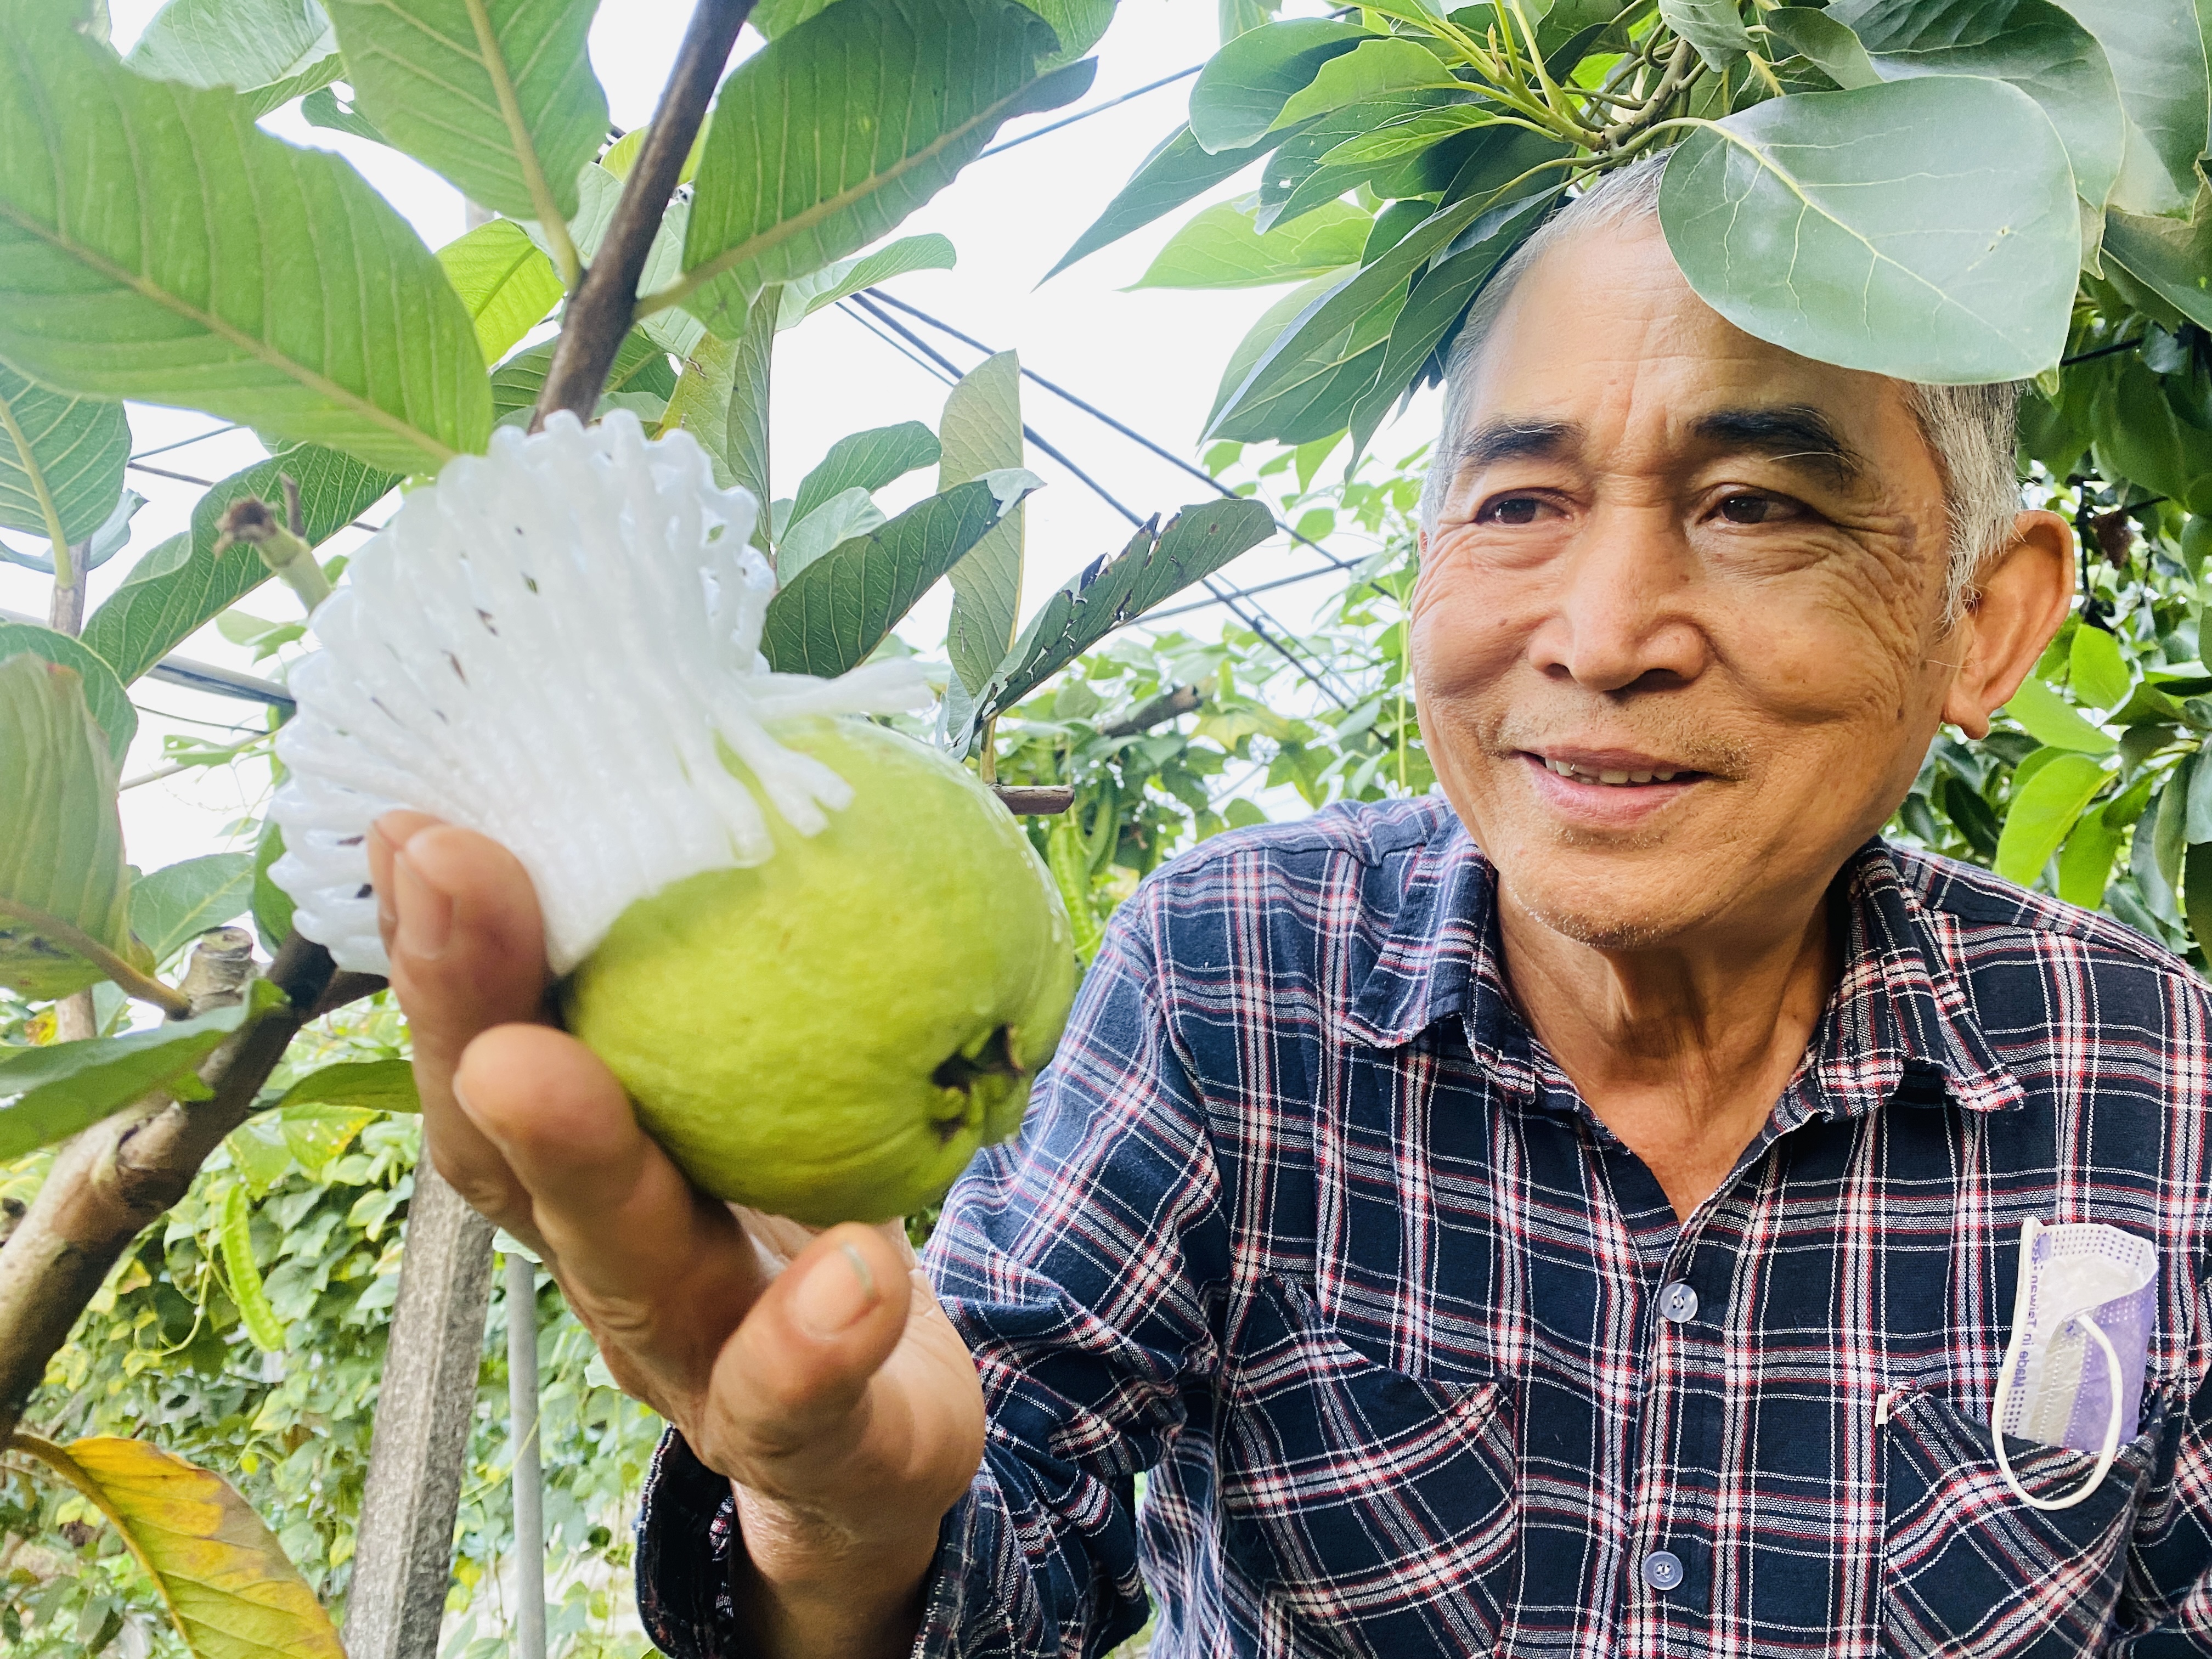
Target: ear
(2022,597)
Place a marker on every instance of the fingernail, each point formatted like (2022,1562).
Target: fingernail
(835,1295)
(426,913)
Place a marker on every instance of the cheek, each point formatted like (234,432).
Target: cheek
(1463,633)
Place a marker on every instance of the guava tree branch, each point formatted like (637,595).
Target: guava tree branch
(118,1177)
(605,302)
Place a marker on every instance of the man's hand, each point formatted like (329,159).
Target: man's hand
(818,1373)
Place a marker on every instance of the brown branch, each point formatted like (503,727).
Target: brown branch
(1035,800)
(1181,700)
(606,302)
(107,1185)
(141,987)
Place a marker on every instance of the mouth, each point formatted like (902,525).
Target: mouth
(1609,789)
(1614,774)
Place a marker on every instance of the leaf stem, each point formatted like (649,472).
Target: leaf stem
(549,216)
(64,567)
(142,987)
(605,303)
(288,555)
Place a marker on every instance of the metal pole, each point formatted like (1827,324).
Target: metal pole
(529,1487)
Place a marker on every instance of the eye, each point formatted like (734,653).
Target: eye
(1750,508)
(1511,509)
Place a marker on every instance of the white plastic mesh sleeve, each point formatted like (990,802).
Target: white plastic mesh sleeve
(544,645)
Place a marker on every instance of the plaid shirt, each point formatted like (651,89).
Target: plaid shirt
(1307,1228)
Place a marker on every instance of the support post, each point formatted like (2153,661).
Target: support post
(527,1475)
(404,1560)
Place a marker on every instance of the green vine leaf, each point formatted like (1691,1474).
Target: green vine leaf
(1864,228)
(154,244)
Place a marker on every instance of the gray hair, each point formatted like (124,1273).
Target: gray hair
(1969,428)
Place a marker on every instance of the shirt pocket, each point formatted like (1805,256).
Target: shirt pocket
(1970,1570)
(1376,1509)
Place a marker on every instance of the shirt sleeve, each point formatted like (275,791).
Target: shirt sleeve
(1083,1264)
(2169,1588)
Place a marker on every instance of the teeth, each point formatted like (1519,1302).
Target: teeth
(1565,770)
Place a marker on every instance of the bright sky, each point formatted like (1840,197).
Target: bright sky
(1151,358)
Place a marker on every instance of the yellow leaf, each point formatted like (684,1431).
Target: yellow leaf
(228,1587)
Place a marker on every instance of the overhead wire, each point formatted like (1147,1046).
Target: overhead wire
(1085,114)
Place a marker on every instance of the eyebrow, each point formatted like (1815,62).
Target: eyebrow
(1515,440)
(1795,432)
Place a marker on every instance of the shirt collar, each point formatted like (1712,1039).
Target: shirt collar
(1898,1024)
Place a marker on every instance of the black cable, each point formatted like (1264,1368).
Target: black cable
(2101,352)
(1096,109)
(1097,413)
(208,483)
(1106,495)
(196,438)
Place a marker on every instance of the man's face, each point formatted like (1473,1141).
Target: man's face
(1677,632)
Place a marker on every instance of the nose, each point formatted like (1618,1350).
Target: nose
(1621,614)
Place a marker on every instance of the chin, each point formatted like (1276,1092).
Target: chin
(1621,904)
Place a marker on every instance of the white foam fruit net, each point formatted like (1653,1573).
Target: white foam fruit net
(545,646)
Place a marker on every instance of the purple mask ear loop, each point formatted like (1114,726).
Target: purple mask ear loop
(2003,1397)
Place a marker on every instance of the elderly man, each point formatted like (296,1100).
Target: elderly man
(1577,1214)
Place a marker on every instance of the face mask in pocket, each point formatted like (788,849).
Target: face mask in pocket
(2072,1373)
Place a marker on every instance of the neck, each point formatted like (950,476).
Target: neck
(1681,1049)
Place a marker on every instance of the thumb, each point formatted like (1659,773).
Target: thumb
(790,1386)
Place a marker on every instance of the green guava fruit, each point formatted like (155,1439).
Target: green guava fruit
(831,1034)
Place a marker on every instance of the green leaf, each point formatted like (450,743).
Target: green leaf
(802,165)
(183,584)
(1306,171)
(866,460)
(1714,27)
(1243,87)
(273,905)
(223,1577)
(2196,896)
(321,108)
(61,460)
(1219,248)
(69,1086)
(498,96)
(103,693)
(1179,170)
(981,432)
(805,296)
(64,889)
(1371,70)
(848,513)
(506,284)
(1262,336)
(1307,383)
(154,244)
(744,418)
(2156,51)
(2173,257)
(244,1274)
(180,902)
(2085,865)
(1080,25)
(2099,673)
(1828,44)
(1389,143)
(370,1085)
(243,43)
(2143,438)
(2049,718)
(1862,227)
(623,154)
(2042,813)
(1197,542)
(640,366)
(841,607)
(2032,44)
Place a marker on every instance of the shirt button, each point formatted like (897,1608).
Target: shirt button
(1663,1569)
(1678,1302)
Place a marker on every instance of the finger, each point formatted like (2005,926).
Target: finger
(662,1273)
(461,927)
(789,1388)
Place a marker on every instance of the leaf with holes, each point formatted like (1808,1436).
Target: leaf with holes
(154,244)
(184,584)
(175,904)
(61,460)
(506,284)
(1197,542)
(841,127)
(223,1577)
(64,889)
(841,606)
(498,96)
(1924,229)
